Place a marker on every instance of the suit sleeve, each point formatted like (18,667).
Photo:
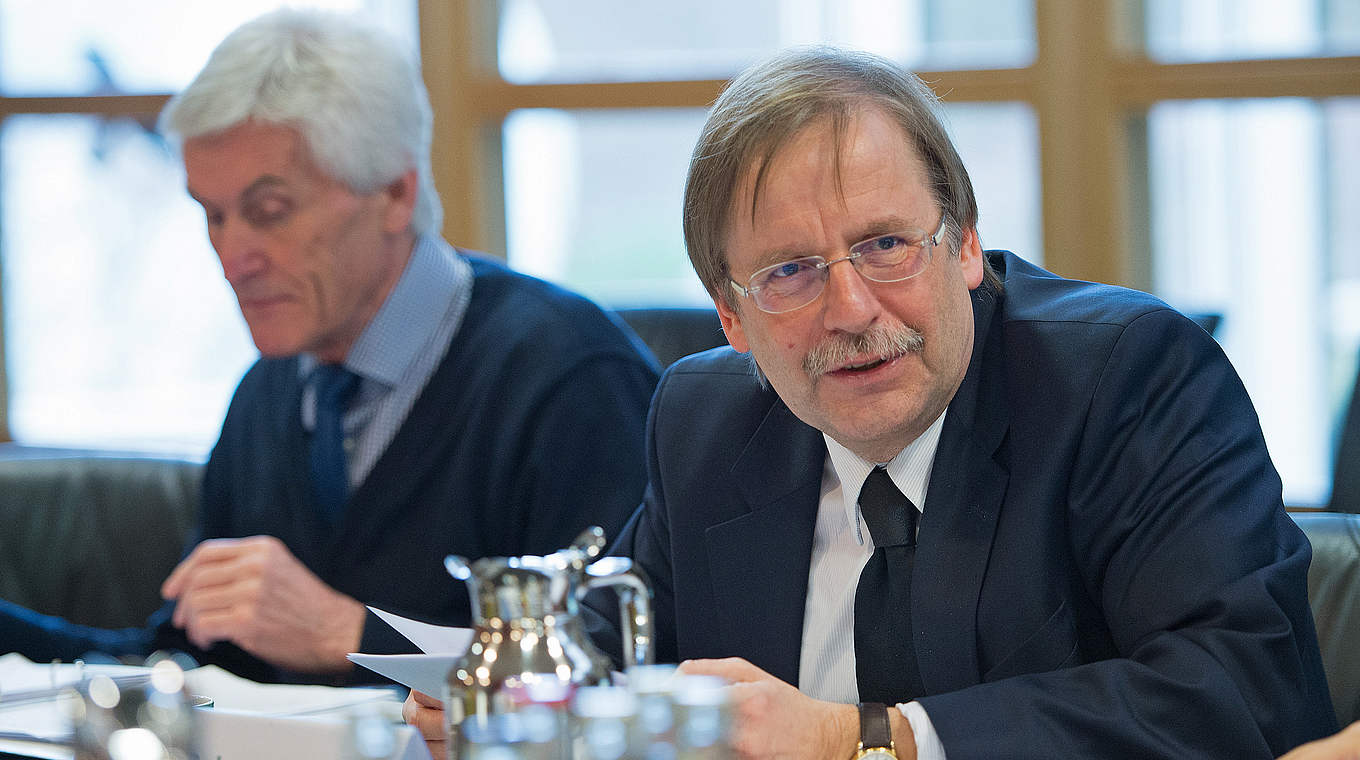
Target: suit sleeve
(1175,515)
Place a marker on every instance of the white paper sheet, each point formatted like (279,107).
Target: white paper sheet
(49,718)
(231,692)
(422,672)
(230,735)
(430,639)
(442,646)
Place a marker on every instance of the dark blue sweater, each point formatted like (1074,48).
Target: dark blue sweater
(529,431)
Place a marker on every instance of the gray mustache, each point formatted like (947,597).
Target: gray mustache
(836,350)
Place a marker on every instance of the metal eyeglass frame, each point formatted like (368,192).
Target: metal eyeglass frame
(927,245)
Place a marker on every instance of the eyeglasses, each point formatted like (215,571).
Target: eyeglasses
(796,283)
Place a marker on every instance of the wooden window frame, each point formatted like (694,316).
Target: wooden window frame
(1090,94)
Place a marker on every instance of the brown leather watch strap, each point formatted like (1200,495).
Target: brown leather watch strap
(874,728)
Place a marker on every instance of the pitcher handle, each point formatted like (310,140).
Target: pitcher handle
(635,605)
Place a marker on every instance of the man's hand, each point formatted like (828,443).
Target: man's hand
(254,593)
(773,719)
(1343,745)
(427,715)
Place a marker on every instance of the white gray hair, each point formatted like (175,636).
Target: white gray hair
(353,94)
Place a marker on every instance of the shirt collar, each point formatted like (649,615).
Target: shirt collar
(394,338)
(909,470)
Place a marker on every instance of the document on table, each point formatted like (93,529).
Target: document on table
(32,706)
(231,692)
(442,646)
(31,701)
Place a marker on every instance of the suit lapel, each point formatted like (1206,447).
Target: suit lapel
(959,522)
(760,560)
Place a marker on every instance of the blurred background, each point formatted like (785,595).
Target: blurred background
(1207,151)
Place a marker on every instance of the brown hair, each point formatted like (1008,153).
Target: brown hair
(770,103)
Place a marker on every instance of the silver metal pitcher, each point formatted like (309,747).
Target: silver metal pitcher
(528,637)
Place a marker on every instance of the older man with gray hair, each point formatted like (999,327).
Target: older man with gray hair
(412,400)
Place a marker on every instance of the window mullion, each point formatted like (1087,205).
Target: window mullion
(1083,150)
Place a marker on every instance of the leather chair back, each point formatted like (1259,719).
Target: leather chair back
(1334,595)
(673,332)
(90,537)
(1346,472)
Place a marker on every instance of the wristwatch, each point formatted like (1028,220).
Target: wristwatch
(875,733)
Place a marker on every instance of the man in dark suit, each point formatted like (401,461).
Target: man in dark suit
(1010,515)
(1102,564)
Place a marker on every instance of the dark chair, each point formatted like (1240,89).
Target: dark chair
(1334,596)
(90,536)
(1209,321)
(675,331)
(1346,468)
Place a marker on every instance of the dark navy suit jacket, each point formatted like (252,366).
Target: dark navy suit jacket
(1104,567)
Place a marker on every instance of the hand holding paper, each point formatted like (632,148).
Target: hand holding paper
(442,646)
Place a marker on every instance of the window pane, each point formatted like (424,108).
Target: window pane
(95,47)
(999,144)
(593,198)
(1253,217)
(593,201)
(609,40)
(119,328)
(1201,30)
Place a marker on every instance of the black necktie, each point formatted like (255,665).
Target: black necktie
(885,659)
(334,386)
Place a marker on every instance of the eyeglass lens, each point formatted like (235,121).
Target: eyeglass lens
(793,284)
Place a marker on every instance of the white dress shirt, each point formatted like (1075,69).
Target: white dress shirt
(840,548)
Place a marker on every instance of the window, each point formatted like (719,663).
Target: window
(609,40)
(1108,139)
(1204,150)
(1248,222)
(593,197)
(1251,216)
(592,200)
(119,331)
(1210,30)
